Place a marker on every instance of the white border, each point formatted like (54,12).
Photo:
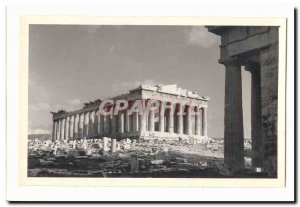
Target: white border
(16,192)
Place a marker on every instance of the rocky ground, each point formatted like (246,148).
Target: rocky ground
(146,159)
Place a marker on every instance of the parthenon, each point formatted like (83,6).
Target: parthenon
(164,123)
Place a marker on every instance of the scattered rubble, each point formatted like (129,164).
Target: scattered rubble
(126,158)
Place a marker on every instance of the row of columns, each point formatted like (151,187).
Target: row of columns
(90,124)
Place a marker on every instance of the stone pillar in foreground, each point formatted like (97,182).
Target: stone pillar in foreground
(171,119)
(234,131)
(162,117)
(256,116)
(198,121)
(188,121)
(180,119)
(204,121)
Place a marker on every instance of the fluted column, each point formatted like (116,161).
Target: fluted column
(135,121)
(204,121)
(114,124)
(151,121)
(162,118)
(86,124)
(80,125)
(91,124)
(127,121)
(66,137)
(188,121)
(198,121)
(180,119)
(256,116)
(171,119)
(71,129)
(121,122)
(97,123)
(62,133)
(234,132)
(76,120)
(106,123)
(143,117)
(53,130)
(58,129)
(101,124)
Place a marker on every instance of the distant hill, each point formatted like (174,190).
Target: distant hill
(41,137)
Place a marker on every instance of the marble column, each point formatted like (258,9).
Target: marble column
(151,121)
(80,125)
(53,131)
(106,123)
(62,133)
(198,122)
(71,134)
(86,124)
(91,124)
(256,117)
(76,120)
(171,119)
(67,119)
(135,121)
(101,124)
(114,124)
(127,121)
(233,118)
(58,128)
(180,119)
(162,117)
(97,123)
(188,121)
(121,122)
(204,121)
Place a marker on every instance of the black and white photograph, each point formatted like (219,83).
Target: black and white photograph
(111,105)
(152,101)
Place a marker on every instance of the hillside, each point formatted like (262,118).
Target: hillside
(41,137)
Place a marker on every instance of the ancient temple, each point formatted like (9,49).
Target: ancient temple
(172,120)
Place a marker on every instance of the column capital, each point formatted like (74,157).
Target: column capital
(232,61)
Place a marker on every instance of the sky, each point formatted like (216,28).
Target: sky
(73,64)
